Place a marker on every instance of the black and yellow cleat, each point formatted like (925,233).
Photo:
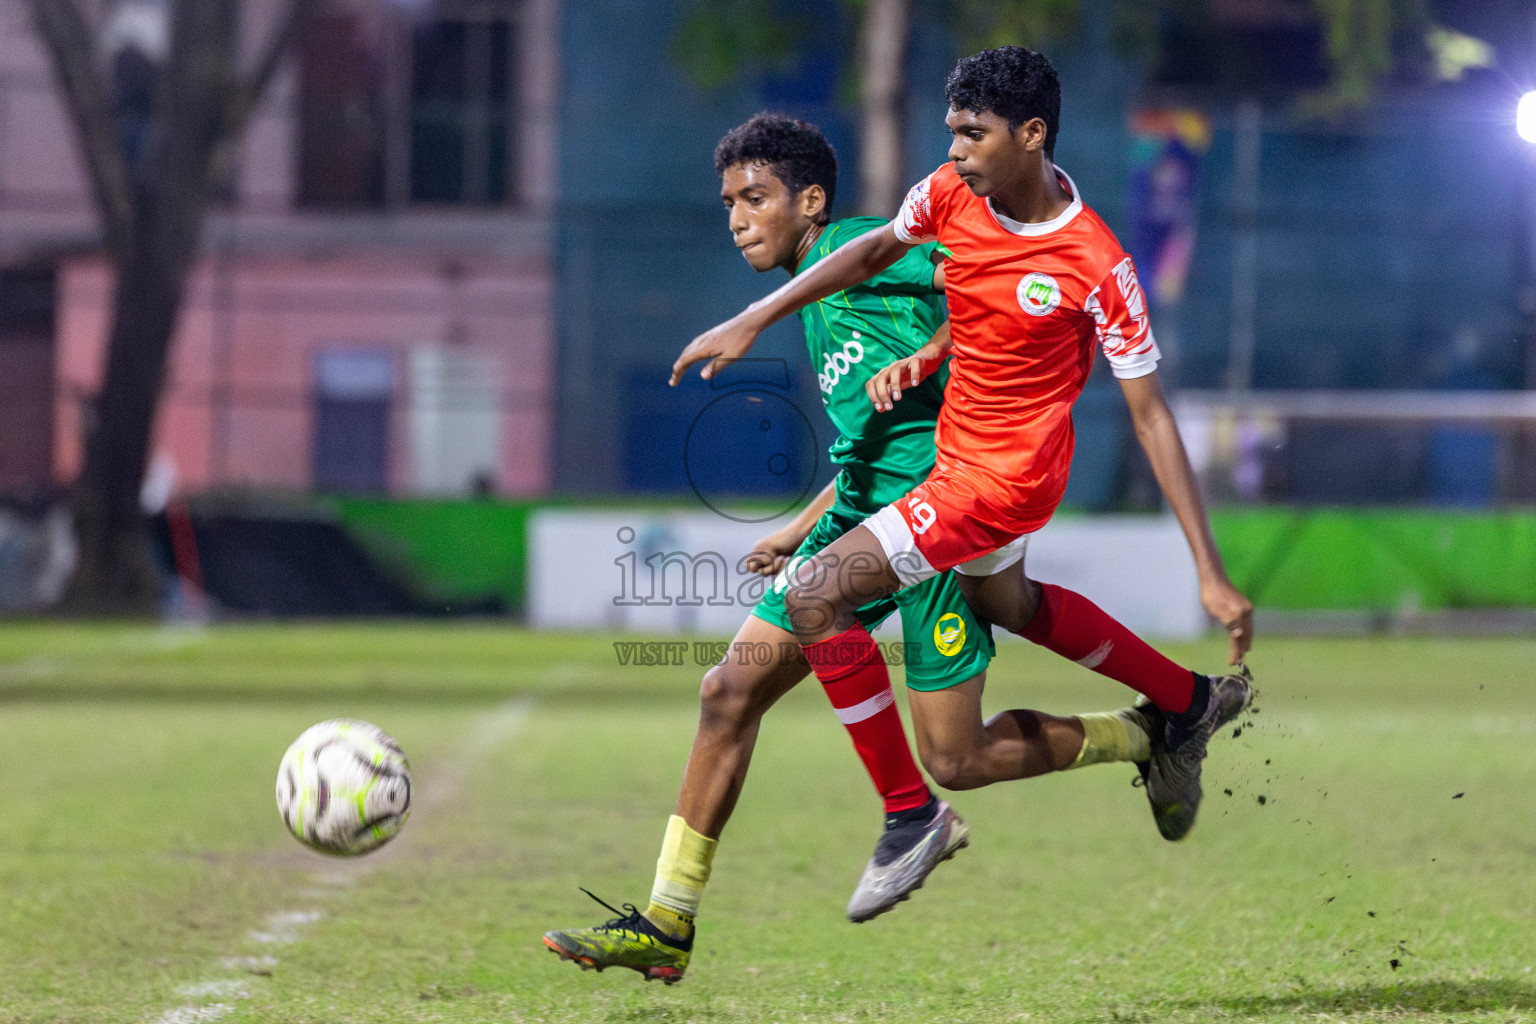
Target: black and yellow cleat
(629,940)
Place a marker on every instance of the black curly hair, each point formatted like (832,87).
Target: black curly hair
(1011,82)
(794,150)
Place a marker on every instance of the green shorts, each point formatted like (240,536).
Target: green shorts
(944,644)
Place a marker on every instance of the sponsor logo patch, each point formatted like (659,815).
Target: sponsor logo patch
(835,364)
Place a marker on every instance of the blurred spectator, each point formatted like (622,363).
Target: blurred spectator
(137,39)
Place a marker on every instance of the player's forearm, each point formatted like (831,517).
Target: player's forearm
(1158,434)
(813,512)
(940,345)
(850,264)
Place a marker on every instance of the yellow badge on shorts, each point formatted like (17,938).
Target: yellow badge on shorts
(949,634)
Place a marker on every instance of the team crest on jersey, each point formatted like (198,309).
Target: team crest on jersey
(949,634)
(1039,294)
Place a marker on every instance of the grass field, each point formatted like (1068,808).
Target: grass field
(1374,860)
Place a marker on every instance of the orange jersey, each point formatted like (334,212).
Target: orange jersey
(1026,304)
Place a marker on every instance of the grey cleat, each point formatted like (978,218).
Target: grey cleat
(903,859)
(1173,775)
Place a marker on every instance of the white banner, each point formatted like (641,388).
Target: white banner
(672,572)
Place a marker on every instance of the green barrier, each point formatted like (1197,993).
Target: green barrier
(1301,559)
(447,550)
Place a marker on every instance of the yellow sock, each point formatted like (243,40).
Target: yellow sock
(681,873)
(1111,736)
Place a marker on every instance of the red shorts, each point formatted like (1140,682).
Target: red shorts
(940,525)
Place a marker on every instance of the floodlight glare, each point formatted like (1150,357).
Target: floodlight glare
(1525,117)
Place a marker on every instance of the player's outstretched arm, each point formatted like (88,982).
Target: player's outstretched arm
(769,554)
(884,388)
(1159,437)
(859,260)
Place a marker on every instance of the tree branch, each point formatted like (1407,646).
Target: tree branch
(249,94)
(69,40)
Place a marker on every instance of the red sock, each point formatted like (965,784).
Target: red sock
(852,671)
(1076,628)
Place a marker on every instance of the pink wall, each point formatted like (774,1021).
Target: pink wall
(301,280)
(263,320)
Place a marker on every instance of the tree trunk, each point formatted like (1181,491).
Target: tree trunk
(170,196)
(882,149)
(115,575)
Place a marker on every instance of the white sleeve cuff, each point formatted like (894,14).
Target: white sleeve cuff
(1132,368)
(1138,365)
(902,233)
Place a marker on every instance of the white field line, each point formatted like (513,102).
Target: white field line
(489,732)
(282,928)
(224,988)
(194,1014)
(250,964)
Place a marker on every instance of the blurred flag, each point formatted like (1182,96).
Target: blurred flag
(1168,148)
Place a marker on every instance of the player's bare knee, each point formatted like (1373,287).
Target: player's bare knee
(724,702)
(810,611)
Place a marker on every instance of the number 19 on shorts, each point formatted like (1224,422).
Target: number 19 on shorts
(923,516)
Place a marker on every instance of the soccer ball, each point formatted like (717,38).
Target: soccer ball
(344,788)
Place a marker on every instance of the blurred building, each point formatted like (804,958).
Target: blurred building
(373,308)
(431,180)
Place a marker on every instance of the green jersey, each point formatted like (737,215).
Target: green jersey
(853,335)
